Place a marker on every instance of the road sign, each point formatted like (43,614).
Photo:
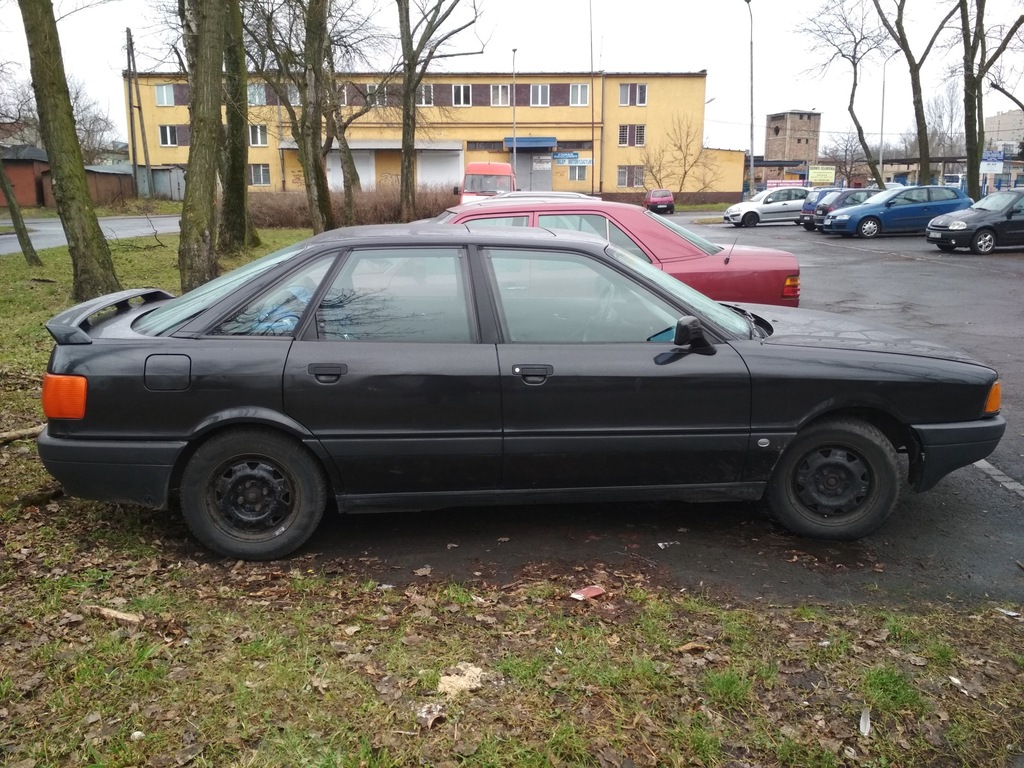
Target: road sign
(992,161)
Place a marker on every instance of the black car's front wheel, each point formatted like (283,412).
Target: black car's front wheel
(839,479)
(253,494)
(983,242)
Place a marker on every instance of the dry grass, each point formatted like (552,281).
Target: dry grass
(376,206)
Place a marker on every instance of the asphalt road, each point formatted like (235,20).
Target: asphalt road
(960,541)
(49,233)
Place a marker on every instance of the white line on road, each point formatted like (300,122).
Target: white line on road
(1003,479)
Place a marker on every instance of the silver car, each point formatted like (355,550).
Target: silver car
(772,205)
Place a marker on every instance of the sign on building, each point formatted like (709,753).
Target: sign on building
(992,161)
(821,174)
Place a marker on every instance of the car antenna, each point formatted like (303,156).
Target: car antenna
(729,254)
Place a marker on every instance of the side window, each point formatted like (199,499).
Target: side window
(917,195)
(567,298)
(943,194)
(577,222)
(398,294)
(625,242)
(499,221)
(277,311)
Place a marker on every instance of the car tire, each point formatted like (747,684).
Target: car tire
(671,209)
(946,247)
(750,219)
(983,242)
(868,227)
(839,479)
(809,227)
(253,494)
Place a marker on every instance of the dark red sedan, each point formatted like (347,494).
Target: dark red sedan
(725,273)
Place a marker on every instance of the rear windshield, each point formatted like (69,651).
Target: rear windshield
(705,245)
(829,198)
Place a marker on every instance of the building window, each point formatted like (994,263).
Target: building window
(376,95)
(168,135)
(257,135)
(633,94)
(259,175)
(579,95)
(165,95)
(462,96)
(425,96)
(484,146)
(632,135)
(569,145)
(499,96)
(258,95)
(630,176)
(539,95)
(577,173)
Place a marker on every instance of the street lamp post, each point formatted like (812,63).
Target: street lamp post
(514,142)
(881,126)
(750,12)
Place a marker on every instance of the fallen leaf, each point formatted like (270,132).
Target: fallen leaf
(424,571)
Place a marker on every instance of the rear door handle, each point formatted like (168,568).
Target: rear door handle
(327,374)
(533,374)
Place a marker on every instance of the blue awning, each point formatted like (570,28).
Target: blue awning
(531,142)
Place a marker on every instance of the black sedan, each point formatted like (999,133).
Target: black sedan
(425,366)
(995,220)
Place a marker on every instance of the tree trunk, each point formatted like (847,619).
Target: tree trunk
(236,230)
(350,177)
(203,26)
(310,123)
(17,221)
(92,267)
(410,81)
(860,133)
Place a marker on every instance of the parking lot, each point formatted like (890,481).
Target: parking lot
(962,540)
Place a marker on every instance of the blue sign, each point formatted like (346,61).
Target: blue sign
(565,155)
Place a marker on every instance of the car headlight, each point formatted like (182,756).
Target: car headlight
(842,216)
(733,209)
(958,225)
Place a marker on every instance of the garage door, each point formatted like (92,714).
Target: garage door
(442,168)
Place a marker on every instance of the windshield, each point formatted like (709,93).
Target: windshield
(882,195)
(694,239)
(996,201)
(761,195)
(709,310)
(487,183)
(167,318)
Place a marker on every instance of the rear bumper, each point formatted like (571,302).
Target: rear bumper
(132,472)
(945,447)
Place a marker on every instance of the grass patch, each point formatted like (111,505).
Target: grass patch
(265,664)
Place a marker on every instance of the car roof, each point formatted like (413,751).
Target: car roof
(494,205)
(455,234)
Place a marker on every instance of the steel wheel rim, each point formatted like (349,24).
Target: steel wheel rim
(832,480)
(251,497)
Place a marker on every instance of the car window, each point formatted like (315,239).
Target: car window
(499,221)
(911,196)
(797,194)
(705,245)
(277,311)
(856,198)
(829,198)
(576,222)
(398,294)
(1019,207)
(567,298)
(625,242)
(940,193)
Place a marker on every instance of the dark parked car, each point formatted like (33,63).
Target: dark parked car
(902,209)
(726,273)
(993,221)
(660,200)
(420,367)
(839,199)
(810,203)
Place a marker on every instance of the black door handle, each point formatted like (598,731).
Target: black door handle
(533,374)
(327,374)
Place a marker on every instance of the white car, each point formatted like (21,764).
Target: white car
(772,205)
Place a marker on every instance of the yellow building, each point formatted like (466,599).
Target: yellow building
(599,133)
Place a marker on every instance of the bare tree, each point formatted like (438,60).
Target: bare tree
(977,63)
(10,112)
(681,161)
(895,25)
(945,114)
(92,267)
(202,23)
(848,156)
(848,31)
(422,41)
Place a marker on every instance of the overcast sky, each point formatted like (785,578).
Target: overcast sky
(555,36)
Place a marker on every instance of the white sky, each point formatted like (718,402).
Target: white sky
(554,36)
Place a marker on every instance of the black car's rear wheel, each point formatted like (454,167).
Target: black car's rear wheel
(983,242)
(253,494)
(809,226)
(945,247)
(838,480)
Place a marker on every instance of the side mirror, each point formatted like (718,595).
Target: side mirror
(690,333)
(890,202)
(769,199)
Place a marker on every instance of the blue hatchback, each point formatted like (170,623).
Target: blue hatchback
(904,209)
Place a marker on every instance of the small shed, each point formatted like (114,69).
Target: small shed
(25,166)
(168,182)
(107,184)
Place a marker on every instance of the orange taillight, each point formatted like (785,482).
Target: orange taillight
(64,396)
(791,289)
(995,398)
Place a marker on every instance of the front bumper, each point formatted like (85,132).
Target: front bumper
(945,447)
(959,237)
(132,472)
(836,227)
(733,218)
